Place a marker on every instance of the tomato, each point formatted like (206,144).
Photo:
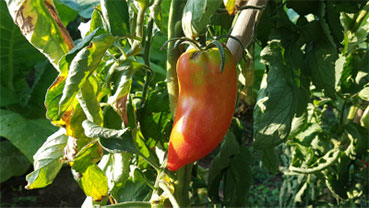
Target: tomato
(206,104)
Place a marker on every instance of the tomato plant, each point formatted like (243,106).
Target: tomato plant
(285,100)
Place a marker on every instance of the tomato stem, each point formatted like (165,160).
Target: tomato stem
(146,57)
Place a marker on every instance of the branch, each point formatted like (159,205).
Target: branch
(245,26)
(174,31)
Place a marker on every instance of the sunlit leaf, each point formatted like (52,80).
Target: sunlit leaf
(321,60)
(83,7)
(230,6)
(88,155)
(364,93)
(89,103)
(116,168)
(40,24)
(112,140)
(94,183)
(82,65)
(275,107)
(116,16)
(196,16)
(47,161)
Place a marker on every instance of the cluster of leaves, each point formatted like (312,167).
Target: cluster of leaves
(317,58)
(25,76)
(111,104)
(98,98)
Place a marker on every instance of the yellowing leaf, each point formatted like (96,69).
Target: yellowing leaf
(95,183)
(230,6)
(40,24)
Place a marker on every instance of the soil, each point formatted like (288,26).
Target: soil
(63,192)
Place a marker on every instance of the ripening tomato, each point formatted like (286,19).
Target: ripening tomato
(206,104)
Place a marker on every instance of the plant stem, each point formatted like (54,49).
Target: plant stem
(181,185)
(245,26)
(140,21)
(146,57)
(360,17)
(173,53)
(166,190)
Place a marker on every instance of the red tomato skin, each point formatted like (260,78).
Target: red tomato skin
(206,104)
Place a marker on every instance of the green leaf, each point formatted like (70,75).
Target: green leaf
(116,16)
(134,192)
(123,81)
(230,5)
(275,108)
(88,155)
(220,163)
(35,97)
(298,125)
(335,185)
(238,179)
(321,61)
(94,183)
(157,15)
(324,24)
(221,54)
(93,131)
(17,59)
(97,19)
(83,7)
(12,161)
(53,95)
(297,76)
(364,121)
(111,140)
(112,119)
(27,135)
(88,101)
(83,64)
(354,73)
(66,60)
(66,13)
(196,16)
(364,93)
(7,97)
(47,161)
(155,116)
(270,159)
(74,126)
(55,91)
(332,17)
(40,24)
(116,168)
(322,163)
(359,136)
